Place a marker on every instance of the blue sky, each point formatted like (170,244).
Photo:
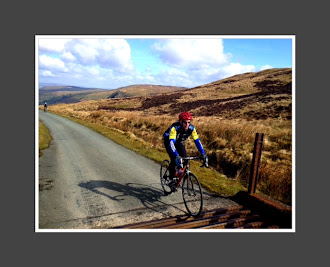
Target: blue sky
(111,62)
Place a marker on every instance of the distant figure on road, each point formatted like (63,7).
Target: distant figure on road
(174,138)
(45,107)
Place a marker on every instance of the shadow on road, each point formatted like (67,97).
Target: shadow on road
(149,196)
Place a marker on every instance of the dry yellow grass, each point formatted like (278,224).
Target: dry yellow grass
(228,114)
(44,137)
(229,143)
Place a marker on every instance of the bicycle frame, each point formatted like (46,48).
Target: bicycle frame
(186,170)
(191,189)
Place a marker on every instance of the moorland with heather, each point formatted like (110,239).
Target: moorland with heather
(227,115)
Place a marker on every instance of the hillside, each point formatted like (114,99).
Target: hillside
(134,91)
(64,94)
(261,95)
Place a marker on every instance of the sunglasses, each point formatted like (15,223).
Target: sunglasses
(186,122)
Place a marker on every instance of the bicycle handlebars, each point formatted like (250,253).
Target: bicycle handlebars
(192,158)
(189,158)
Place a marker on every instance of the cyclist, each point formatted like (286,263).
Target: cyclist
(45,107)
(174,137)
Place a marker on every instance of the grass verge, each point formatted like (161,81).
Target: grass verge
(44,137)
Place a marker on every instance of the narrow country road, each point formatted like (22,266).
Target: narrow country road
(88,181)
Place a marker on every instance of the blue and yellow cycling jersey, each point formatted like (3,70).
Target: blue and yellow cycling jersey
(176,133)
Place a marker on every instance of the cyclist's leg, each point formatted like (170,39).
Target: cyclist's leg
(172,163)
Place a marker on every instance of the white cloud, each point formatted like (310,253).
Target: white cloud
(78,76)
(68,56)
(106,53)
(50,63)
(236,68)
(86,61)
(193,62)
(52,45)
(191,53)
(142,79)
(85,54)
(93,71)
(47,73)
(266,67)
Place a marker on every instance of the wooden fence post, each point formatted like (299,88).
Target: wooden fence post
(255,163)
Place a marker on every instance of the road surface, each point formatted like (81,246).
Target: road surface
(87,181)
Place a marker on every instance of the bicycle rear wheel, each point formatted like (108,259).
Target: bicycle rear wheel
(165,176)
(192,194)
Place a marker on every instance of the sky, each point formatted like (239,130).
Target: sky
(111,62)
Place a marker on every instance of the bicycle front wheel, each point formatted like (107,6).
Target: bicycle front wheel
(165,176)
(192,194)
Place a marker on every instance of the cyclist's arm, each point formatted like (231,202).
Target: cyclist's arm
(198,143)
(172,139)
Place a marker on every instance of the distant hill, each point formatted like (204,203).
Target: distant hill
(48,84)
(64,94)
(74,94)
(134,91)
(257,95)
(53,88)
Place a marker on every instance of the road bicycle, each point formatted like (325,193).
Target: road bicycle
(191,188)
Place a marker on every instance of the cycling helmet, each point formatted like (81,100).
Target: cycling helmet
(185,116)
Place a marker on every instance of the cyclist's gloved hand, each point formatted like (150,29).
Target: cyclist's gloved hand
(206,160)
(179,161)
